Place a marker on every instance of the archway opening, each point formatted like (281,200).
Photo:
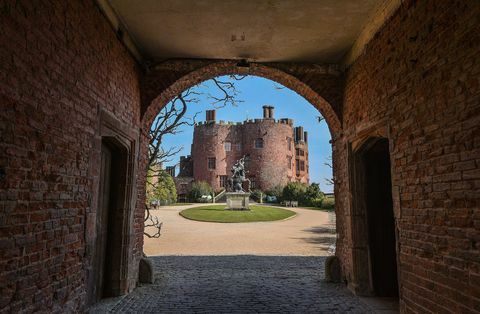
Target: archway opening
(278,149)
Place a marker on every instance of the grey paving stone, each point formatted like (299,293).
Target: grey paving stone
(238,284)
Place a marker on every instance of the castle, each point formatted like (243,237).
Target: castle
(277,152)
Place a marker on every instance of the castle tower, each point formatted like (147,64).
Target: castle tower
(270,146)
(301,155)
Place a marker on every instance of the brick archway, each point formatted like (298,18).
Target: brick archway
(220,68)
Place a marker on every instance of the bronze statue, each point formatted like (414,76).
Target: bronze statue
(238,176)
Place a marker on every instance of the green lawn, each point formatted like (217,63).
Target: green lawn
(217,213)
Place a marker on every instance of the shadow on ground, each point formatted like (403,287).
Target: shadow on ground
(239,284)
(323,236)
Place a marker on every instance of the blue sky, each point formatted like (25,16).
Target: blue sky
(255,92)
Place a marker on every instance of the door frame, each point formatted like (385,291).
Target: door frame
(360,282)
(126,139)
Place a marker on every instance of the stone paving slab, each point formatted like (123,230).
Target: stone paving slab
(238,284)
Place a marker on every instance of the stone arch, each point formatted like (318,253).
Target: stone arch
(230,67)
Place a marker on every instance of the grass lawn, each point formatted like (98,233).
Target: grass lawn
(217,213)
(178,204)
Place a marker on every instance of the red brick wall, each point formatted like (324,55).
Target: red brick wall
(419,79)
(267,166)
(321,85)
(60,63)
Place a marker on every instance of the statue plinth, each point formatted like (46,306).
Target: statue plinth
(237,200)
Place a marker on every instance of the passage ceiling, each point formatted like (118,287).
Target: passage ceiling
(257,30)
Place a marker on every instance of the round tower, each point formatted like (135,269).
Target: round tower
(270,147)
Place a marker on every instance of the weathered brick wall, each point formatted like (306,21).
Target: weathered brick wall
(60,64)
(419,80)
(321,85)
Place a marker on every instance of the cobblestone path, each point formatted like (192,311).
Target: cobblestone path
(239,284)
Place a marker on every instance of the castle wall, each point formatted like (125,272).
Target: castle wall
(267,166)
(417,84)
(301,163)
(63,73)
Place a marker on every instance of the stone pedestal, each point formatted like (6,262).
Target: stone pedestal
(237,200)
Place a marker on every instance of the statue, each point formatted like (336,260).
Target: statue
(238,176)
(237,198)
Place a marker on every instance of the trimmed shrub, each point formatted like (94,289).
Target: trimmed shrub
(313,195)
(317,202)
(328,203)
(276,191)
(294,191)
(199,189)
(256,195)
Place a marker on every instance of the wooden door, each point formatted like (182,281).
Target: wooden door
(102,220)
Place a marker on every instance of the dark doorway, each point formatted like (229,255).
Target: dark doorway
(380,219)
(111,216)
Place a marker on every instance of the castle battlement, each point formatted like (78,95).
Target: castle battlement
(248,121)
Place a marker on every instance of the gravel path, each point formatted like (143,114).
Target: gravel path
(309,233)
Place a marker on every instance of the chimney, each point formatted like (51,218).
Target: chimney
(265,112)
(270,112)
(305,136)
(299,134)
(210,115)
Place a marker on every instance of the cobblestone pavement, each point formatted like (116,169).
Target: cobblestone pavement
(239,284)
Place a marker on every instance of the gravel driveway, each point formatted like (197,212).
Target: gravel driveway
(309,233)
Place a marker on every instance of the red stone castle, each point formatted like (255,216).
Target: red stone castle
(277,152)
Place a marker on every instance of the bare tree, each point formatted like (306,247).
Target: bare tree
(330,181)
(169,122)
(328,163)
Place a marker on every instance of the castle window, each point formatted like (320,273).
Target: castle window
(289,162)
(238,146)
(289,143)
(228,146)
(297,151)
(211,163)
(223,181)
(253,184)
(297,162)
(259,143)
(302,165)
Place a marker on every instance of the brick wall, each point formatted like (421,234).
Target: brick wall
(321,85)
(60,64)
(418,84)
(266,166)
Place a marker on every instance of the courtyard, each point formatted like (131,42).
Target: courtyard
(308,233)
(252,267)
